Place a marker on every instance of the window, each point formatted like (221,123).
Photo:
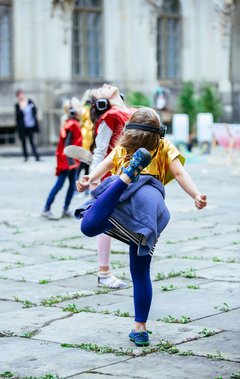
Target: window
(5,40)
(87,39)
(169,40)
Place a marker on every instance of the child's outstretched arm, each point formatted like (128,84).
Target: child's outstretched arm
(186,182)
(100,170)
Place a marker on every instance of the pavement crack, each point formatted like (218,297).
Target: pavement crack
(103,366)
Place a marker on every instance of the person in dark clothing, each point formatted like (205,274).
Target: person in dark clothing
(26,122)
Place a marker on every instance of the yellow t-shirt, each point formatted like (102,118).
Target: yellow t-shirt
(159,166)
(86,128)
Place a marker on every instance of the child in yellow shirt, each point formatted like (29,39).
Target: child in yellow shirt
(131,206)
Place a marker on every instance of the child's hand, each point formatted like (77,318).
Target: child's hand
(84,184)
(200,201)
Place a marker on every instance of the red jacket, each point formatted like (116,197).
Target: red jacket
(70,134)
(115,120)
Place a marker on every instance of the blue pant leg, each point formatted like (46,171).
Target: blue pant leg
(95,220)
(71,188)
(56,188)
(142,286)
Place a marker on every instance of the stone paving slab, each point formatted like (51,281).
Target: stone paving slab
(38,358)
(102,326)
(225,254)
(227,321)
(227,272)
(227,287)
(53,271)
(36,292)
(30,319)
(160,366)
(8,306)
(184,302)
(226,343)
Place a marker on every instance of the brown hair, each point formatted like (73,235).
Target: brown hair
(133,139)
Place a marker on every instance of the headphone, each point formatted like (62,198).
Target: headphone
(148,128)
(102,105)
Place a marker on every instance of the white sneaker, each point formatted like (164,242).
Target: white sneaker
(112,282)
(77,152)
(48,214)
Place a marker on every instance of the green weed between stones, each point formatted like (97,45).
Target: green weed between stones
(73,308)
(28,334)
(163,346)
(98,349)
(193,287)
(60,298)
(7,333)
(170,287)
(197,257)
(235,375)
(122,314)
(11,375)
(188,273)
(191,273)
(103,291)
(224,307)
(186,353)
(172,320)
(44,281)
(63,258)
(207,332)
(218,356)
(26,303)
(119,252)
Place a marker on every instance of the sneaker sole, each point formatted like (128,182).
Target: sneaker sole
(79,153)
(139,344)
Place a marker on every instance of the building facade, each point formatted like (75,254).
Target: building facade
(56,48)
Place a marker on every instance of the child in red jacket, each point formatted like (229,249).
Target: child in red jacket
(70,134)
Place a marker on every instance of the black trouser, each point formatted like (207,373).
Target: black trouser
(83,166)
(29,133)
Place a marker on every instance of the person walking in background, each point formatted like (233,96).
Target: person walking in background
(70,134)
(131,207)
(26,123)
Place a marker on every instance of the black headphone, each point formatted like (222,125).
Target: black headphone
(102,105)
(148,128)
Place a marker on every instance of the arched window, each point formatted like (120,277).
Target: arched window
(169,40)
(87,39)
(5,39)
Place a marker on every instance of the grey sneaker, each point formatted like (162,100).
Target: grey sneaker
(79,153)
(48,214)
(67,214)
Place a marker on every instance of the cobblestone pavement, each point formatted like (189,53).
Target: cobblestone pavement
(55,321)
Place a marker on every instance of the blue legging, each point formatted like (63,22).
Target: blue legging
(71,174)
(96,221)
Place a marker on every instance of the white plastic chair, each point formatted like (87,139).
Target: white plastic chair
(180,127)
(204,127)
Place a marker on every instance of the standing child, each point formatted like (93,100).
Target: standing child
(131,206)
(70,134)
(109,114)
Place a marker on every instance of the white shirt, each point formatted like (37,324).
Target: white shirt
(102,144)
